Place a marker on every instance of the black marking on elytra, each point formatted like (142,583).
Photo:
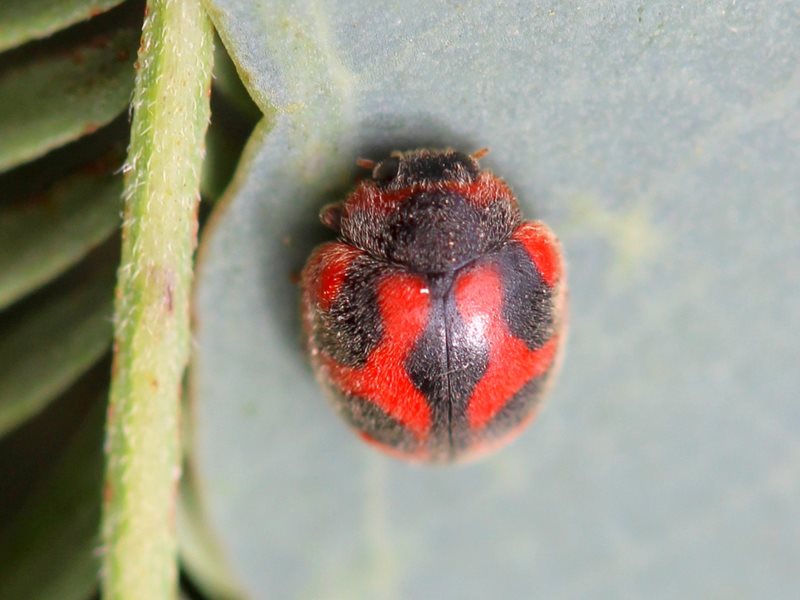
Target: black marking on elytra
(425,166)
(519,407)
(446,364)
(426,365)
(351,329)
(468,359)
(528,303)
(369,417)
(435,231)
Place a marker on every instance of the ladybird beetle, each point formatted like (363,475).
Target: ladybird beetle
(437,319)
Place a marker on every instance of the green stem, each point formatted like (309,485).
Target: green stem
(171,112)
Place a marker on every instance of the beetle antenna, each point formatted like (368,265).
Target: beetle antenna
(479,154)
(365,163)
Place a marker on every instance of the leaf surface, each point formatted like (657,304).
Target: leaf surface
(50,100)
(660,144)
(25,20)
(49,347)
(44,235)
(49,550)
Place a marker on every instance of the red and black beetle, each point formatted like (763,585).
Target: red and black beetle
(437,319)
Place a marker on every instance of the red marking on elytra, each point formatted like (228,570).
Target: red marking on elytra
(384,380)
(333,270)
(479,299)
(484,190)
(542,246)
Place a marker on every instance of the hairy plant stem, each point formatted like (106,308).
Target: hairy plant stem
(151,346)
